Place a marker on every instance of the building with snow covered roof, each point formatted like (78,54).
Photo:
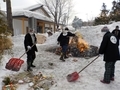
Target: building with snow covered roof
(35,17)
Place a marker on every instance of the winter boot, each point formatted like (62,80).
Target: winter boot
(29,69)
(104,82)
(112,79)
(33,66)
(65,56)
(62,57)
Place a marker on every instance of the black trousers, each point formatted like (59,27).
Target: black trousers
(64,48)
(30,58)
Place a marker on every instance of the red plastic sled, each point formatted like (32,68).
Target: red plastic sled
(14,64)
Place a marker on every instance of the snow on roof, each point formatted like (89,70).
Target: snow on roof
(31,14)
(33,7)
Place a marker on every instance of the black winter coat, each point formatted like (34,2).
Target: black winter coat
(28,42)
(64,40)
(109,48)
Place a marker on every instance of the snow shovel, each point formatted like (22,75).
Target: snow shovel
(14,64)
(75,75)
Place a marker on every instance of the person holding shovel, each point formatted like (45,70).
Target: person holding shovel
(63,39)
(109,49)
(30,41)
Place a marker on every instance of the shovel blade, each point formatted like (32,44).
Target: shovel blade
(72,77)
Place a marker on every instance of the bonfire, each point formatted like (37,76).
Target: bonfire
(79,42)
(78,47)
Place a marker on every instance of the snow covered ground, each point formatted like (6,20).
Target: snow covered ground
(89,78)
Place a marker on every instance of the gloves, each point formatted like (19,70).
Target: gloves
(28,47)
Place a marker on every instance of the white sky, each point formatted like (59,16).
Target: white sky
(87,9)
(84,9)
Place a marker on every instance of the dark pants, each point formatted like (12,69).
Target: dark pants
(64,48)
(109,71)
(30,58)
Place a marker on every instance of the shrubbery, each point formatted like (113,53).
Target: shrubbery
(5,34)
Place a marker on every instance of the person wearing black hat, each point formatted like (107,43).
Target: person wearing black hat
(63,39)
(30,41)
(116,32)
(109,49)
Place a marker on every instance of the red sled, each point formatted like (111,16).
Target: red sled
(14,64)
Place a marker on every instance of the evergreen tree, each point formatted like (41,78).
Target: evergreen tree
(77,23)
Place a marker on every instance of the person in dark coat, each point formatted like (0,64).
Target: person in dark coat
(116,32)
(109,49)
(30,41)
(63,39)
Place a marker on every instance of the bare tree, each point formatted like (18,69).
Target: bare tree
(9,15)
(59,9)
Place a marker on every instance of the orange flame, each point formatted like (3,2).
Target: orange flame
(81,44)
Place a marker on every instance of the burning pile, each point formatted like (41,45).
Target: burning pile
(80,43)
(78,47)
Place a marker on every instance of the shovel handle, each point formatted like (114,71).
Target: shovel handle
(89,64)
(26,52)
